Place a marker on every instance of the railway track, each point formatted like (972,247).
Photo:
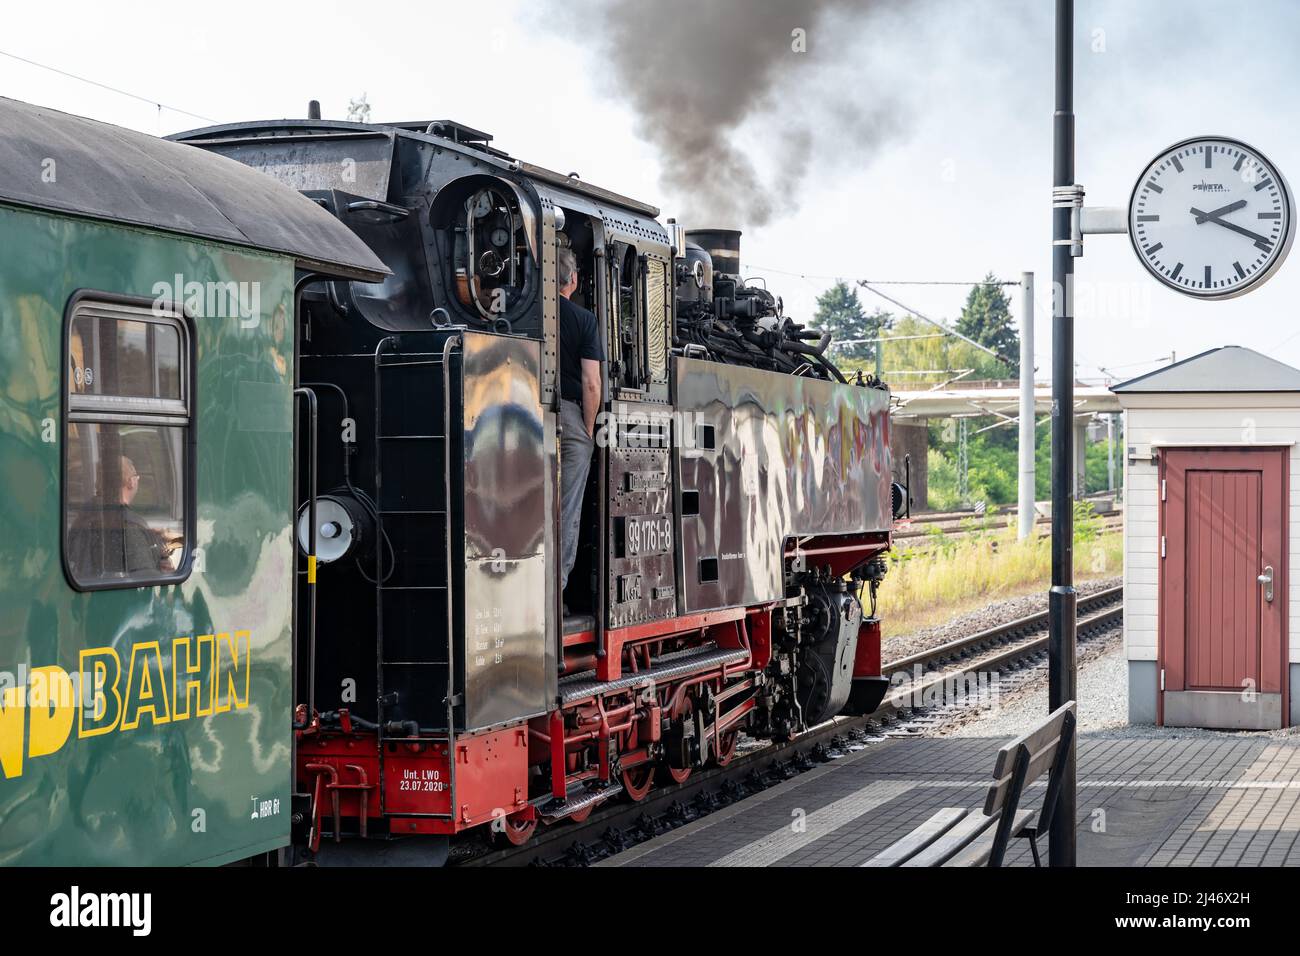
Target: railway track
(917,705)
(920,532)
(1004,511)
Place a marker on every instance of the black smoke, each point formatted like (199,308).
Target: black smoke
(742,98)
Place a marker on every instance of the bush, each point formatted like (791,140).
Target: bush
(925,586)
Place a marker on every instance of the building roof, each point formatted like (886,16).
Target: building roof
(69,164)
(1003,402)
(1231,368)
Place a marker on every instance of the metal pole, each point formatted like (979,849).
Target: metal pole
(1110,452)
(1061,679)
(1026,523)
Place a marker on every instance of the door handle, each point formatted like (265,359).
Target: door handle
(1266,579)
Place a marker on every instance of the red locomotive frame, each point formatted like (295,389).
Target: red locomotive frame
(598,739)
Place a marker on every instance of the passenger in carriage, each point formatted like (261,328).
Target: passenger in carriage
(580,394)
(112,539)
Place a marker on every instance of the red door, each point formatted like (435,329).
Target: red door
(1223,588)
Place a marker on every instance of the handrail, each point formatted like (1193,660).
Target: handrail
(310,396)
(450,700)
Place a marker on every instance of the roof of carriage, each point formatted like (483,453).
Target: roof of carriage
(69,164)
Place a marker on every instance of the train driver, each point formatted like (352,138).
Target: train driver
(580,394)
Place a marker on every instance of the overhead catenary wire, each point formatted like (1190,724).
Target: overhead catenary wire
(840,278)
(935,322)
(869,286)
(888,338)
(104,86)
(869,283)
(1000,282)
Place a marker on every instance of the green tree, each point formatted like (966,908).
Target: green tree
(840,312)
(918,354)
(993,468)
(1094,459)
(986,319)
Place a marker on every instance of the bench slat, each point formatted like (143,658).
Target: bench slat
(1042,744)
(918,839)
(952,842)
(1035,740)
(977,854)
(1039,764)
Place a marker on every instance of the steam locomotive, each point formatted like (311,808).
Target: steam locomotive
(336,511)
(739,503)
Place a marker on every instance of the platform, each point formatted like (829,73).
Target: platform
(1151,800)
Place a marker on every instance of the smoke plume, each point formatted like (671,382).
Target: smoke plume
(742,98)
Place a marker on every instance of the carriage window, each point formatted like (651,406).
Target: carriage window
(129,411)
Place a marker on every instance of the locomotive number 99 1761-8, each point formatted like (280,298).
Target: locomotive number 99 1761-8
(648,535)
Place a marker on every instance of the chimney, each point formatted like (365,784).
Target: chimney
(723,245)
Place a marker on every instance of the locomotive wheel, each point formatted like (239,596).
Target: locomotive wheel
(515,830)
(637,781)
(683,710)
(726,745)
(582,814)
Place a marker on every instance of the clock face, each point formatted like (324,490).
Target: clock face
(1211,218)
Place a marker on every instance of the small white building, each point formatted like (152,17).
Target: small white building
(1211,525)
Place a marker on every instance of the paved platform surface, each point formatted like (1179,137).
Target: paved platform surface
(1156,800)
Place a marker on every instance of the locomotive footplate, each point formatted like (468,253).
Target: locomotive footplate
(580,798)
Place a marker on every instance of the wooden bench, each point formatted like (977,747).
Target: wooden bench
(956,836)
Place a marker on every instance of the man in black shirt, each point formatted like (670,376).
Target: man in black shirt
(580,393)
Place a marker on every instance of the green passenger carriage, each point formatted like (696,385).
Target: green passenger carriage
(147,297)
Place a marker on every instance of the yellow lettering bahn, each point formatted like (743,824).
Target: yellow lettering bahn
(201,676)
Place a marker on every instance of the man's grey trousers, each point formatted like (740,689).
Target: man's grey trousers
(575,462)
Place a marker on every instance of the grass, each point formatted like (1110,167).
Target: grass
(951,576)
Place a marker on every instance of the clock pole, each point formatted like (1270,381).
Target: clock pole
(1067,243)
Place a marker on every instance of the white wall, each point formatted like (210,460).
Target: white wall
(1154,421)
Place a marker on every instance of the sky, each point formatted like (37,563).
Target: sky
(922,127)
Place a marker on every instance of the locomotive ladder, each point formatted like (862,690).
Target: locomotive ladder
(408,594)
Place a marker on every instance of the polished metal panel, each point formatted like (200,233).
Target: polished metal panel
(791,456)
(508,637)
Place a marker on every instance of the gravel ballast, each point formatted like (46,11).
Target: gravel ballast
(991,615)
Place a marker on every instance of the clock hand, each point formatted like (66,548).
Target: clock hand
(1260,241)
(1221,211)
